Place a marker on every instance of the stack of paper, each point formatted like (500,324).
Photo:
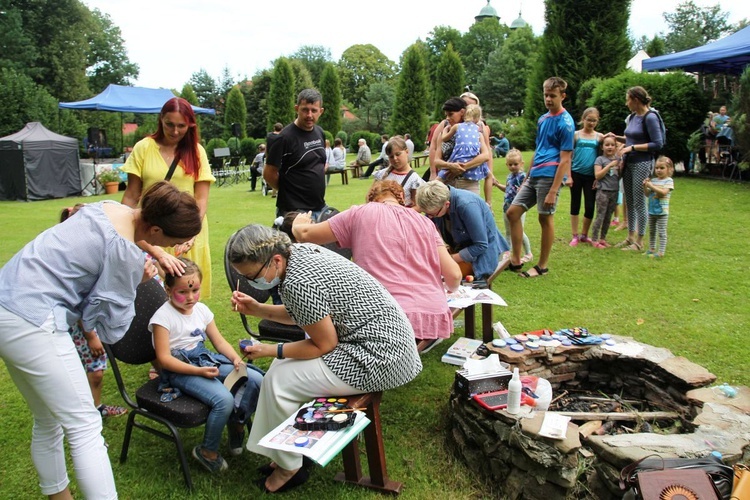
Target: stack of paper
(460,351)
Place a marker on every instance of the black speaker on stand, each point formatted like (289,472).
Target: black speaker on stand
(92,135)
(236,130)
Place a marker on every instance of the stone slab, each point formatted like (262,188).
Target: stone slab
(713,395)
(691,373)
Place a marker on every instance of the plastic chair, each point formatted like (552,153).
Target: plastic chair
(135,348)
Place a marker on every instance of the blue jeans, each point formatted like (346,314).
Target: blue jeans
(209,391)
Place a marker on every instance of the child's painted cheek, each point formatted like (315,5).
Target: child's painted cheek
(180,299)
(197,296)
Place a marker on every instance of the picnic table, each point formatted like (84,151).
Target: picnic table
(418,160)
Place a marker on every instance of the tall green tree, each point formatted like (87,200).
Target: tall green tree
(256,97)
(575,47)
(477,44)
(24,101)
(207,91)
(449,79)
(302,77)
(107,57)
(235,111)
(58,30)
(437,42)
(17,49)
(502,84)
(410,107)
(377,106)
(692,26)
(330,89)
(189,94)
(315,58)
(281,97)
(359,66)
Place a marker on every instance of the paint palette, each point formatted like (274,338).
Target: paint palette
(325,414)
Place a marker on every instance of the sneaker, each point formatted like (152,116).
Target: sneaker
(111,411)
(427,345)
(216,465)
(582,238)
(236,434)
(615,222)
(574,241)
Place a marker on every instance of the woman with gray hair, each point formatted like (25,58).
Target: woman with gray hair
(467,226)
(353,345)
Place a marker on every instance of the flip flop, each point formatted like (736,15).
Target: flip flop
(539,272)
(298,479)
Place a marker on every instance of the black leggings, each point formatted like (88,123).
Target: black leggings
(582,184)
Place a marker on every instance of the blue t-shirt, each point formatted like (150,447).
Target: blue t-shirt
(584,155)
(554,134)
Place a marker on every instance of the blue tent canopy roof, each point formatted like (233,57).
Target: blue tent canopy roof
(731,54)
(129,99)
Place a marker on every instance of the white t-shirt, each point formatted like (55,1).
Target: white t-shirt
(185,330)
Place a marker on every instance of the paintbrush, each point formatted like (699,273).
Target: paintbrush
(345,410)
(238,289)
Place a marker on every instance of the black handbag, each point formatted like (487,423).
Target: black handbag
(721,475)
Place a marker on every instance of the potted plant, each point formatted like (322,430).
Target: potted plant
(110,178)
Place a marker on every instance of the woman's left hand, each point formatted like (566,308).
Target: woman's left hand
(184,247)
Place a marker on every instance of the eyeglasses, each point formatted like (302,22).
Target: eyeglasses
(436,214)
(255,277)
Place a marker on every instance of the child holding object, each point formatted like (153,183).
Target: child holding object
(658,190)
(516,176)
(180,328)
(467,147)
(607,173)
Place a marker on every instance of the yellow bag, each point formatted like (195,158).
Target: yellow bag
(741,488)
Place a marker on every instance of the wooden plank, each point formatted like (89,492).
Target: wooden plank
(626,417)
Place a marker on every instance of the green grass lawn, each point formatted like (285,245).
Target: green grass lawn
(693,302)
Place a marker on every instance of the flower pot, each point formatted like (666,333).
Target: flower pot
(111,187)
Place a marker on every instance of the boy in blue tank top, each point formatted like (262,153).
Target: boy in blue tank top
(551,163)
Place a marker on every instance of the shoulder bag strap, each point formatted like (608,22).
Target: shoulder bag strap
(170,172)
(403,183)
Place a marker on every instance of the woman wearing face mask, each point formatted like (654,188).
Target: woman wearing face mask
(354,345)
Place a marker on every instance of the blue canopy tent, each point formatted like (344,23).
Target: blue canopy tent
(730,55)
(129,99)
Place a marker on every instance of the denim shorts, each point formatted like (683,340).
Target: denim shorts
(533,191)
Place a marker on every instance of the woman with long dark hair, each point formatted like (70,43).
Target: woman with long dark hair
(176,140)
(86,268)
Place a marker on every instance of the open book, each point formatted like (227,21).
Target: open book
(320,446)
(466,296)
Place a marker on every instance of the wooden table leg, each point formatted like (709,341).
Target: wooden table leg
(469,322)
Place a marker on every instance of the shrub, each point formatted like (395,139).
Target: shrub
(329,137)
(495,126)
(233,144)
(249,148)
(521,133)
(214,144)
(341,135)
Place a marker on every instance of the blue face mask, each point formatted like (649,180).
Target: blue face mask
(261,283)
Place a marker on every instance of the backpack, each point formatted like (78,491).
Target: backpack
(663,128)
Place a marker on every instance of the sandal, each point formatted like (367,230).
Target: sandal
(540,271)
(624,243)
(515,267)
(633,247)
(111,411)
(298,479)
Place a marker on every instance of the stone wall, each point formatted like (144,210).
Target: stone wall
(519,464)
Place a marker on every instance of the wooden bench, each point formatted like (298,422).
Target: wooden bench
(356,170)
(418,160)
(378,479)
(344,175)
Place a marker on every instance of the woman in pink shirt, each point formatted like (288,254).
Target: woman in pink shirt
(399,247)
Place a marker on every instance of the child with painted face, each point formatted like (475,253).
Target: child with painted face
(180,327)
(607,172)
(399,169)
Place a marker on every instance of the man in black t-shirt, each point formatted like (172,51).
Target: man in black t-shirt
(295,162)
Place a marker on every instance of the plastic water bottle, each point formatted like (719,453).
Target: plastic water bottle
(514,393)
